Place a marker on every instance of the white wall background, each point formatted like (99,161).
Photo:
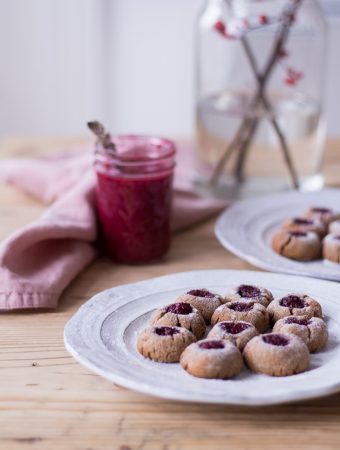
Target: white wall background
(127,62)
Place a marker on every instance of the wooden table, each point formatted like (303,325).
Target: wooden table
(49,401)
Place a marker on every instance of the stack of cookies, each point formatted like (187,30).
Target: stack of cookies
(313,235)
(212,336)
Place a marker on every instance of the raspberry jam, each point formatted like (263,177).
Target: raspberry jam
(275,339)
(179,308)
(240,307)
(133,198)
(322,210)
(292,301)
(234,327)
(208,345)
(247,291)
(298,233)
(166,331)
(297,320)
(201,293)
(301,221)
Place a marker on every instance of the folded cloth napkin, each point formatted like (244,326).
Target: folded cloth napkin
(40,260)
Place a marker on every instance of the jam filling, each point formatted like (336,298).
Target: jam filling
(179,308)
(166,331)
(275,339)
(292,301)
(208,345)
(301,221)
(201,293)
(234,327)
(298,233)
(238,306)
(321,210)
(247,291)
(297,320)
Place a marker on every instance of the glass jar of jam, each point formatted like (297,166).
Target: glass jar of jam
(133,197)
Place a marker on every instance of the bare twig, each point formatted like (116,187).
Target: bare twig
(239,166)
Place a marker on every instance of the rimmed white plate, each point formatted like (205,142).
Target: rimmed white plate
(246,229)
(102,336)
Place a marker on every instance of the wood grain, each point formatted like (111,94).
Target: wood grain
(48,401)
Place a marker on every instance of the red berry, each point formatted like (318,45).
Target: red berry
(263,19)
(293,76)
(290,81)
(219,26)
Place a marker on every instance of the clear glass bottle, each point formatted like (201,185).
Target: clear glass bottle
(260,80)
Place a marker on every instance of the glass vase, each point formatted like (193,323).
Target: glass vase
(260,68)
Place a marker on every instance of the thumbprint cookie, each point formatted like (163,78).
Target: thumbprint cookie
(294,305)
(211,358)
(277,354)
(202,299)
(312,331)
(254,313)
(164,344)
(249,293)
(180,315)
(237,332)
(299,245)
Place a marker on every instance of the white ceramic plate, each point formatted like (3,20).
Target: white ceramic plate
(102,336)
(246,229)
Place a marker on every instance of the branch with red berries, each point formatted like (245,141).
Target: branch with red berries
(238,29)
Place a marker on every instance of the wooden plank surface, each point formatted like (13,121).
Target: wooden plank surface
(49,401)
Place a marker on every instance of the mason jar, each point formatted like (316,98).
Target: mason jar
(260,71)
(134,197)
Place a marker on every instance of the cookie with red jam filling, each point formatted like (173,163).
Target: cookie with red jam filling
(164,344)
(204,300)
(306,224)
(312,331)
(180,315)
(298,245)
(277,354)
(253,313)
(211,358)
(237,332)
(294,305)
(249,293)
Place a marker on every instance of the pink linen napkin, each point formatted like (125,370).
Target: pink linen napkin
(38,261)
